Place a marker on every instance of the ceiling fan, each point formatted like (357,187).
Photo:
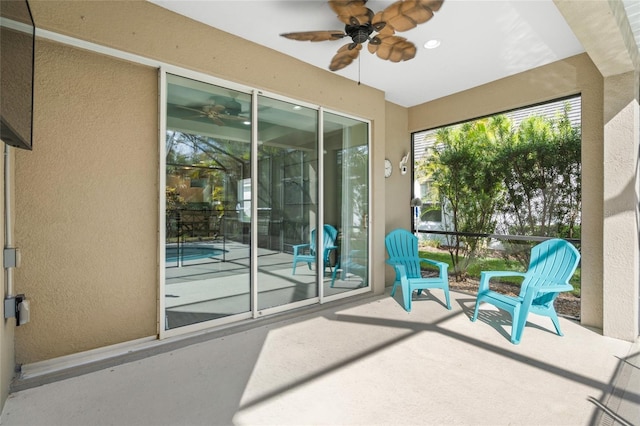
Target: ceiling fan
(361,24)
(214,112)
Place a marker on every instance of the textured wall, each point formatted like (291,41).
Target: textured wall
(620,194)
(87,203)
(398,187)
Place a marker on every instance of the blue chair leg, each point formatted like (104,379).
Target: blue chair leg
(556,323)
(519,319)
(406,295)
(446,296)
(393,289)
(475,312)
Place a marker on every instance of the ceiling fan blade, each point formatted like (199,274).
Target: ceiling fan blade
(404,15)
(351,12)
(434,5)
(232,117)
(217,121)
(393,48)
(315,35)
(191,109)
(346,54)
(381,26)
(215,108)
(374,43)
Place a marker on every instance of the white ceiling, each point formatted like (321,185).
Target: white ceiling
(481,40)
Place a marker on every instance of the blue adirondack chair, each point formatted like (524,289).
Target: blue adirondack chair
(552,264)
(307,252)
(402,248)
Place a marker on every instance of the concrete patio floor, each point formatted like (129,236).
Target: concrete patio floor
(361,362)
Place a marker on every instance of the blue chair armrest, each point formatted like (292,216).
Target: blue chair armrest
(443,267)
(299,247)
(435,263)
(485,276)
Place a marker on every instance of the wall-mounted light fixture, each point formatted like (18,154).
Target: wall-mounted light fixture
(403,164)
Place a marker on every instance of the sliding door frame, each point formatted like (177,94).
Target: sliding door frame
(254,311)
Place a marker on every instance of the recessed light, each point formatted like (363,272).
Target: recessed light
(432,44)
(246,123)
(297,107)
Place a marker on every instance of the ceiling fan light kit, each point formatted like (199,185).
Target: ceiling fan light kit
(378,29)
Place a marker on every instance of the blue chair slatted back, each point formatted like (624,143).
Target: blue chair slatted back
(312,247)
(552,263)
(402,247)
(329,237)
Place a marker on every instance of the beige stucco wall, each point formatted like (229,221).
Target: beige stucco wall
(87,197)
(88,194)
(398,144)
(567,77)
(620,194)
(398,186)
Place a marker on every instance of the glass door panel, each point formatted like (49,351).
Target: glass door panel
(207,207)
(346,199)
(287,202)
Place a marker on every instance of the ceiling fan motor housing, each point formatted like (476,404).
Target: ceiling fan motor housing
(359,33)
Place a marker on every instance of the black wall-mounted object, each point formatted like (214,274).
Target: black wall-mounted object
(17,50)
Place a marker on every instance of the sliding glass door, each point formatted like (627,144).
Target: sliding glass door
(346,198)
(207,202)
(265,204)
(287,202)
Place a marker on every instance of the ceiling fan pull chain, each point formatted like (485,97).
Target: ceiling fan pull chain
(358,70)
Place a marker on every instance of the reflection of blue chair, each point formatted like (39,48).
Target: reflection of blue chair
(402,247)
(307,252)
(552,264)
(355,263)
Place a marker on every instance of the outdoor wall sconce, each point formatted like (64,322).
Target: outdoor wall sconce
(403,164)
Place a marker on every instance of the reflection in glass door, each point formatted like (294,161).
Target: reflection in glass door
(287,203)
(207,202)
(346,199)
(255,220)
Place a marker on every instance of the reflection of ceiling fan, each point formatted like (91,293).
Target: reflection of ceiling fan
(360,24)
(215,112)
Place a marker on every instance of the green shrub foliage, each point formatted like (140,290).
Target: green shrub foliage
(494,178)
